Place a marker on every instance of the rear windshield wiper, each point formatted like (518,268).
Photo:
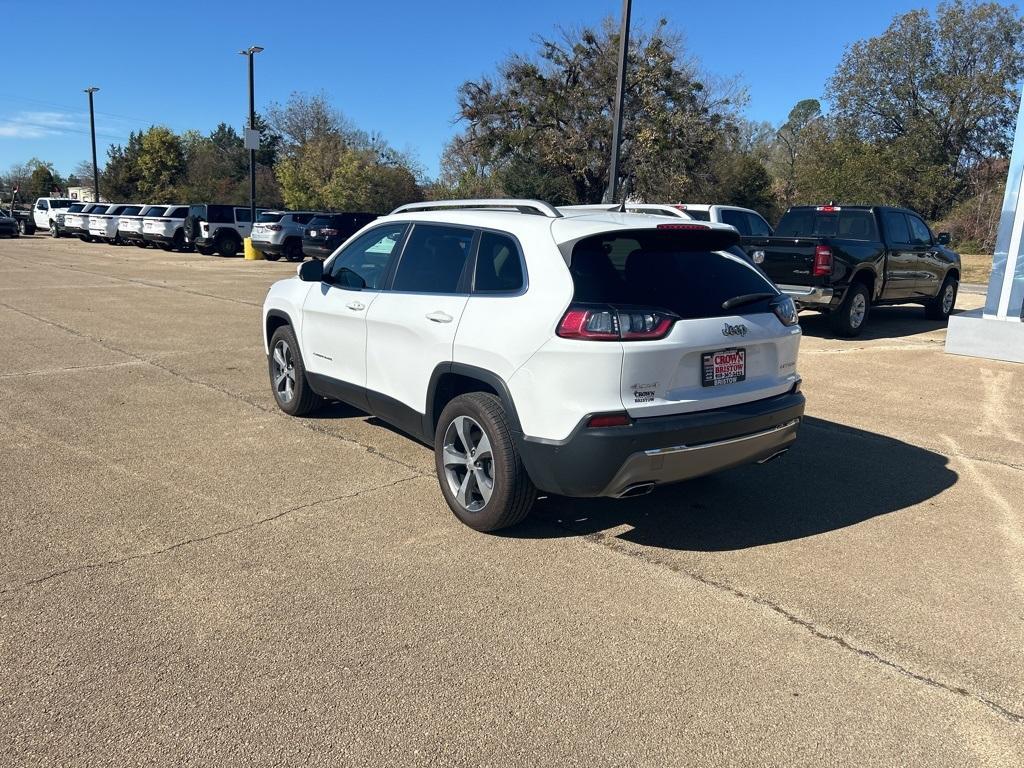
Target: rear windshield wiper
(746,298)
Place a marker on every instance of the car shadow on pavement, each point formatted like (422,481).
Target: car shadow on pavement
(833,477)
(883,323)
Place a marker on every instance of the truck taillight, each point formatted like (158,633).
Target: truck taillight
(822,261)
(610,324)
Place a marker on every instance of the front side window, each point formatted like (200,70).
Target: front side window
(434,259)
(498,266)
(758,226)
(919,231)
(736,219)
(364,263)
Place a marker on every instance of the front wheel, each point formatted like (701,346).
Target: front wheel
(288,374)
(942,305)
(481,474)
(850,317)
(22,227)
(54,231)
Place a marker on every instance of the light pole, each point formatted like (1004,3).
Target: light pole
(92,129)
(249,142)
(613,170)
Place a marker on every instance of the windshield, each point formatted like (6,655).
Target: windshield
(269,218)
(663,270)
(60,203)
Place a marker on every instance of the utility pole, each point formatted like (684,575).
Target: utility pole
(92,129)
(620,93)
(250,143)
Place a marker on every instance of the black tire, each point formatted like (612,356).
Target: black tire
(54,230)
(293,249)
(205,250)
(226,245)
(22,227)
(178,241)
(850,317)
(512,492)
(271,256)
(940,307)
(191,226)
(302,399)
(140,244)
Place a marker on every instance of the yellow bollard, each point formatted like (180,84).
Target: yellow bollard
(251,253)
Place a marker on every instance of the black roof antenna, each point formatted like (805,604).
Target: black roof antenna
(626,183)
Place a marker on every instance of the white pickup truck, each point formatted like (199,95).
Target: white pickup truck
(44,212)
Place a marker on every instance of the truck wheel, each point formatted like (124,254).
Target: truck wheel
(54,231)
(178,241)
(22,227)
(850,317)
(288,374)
(479,469)
(940,307)
(226,245)
(293,249)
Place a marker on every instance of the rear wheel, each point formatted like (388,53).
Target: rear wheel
(205,250)
(226,245)
(288,374)
(271,256)
(942,305)
(22,227)
(850,317)
(293,250)
(178,241)
(479,469)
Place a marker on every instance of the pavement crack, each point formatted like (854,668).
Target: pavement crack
(198,382)
(70,369)
(615,545)
(261,521)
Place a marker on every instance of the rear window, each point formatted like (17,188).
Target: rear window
(662,270)
(154,210)
(99,209)
(76,208)
(269,218)
(698,214)
(847,224)
(320,221)
(131,210)
(178,213)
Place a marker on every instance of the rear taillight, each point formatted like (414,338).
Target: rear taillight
(822,261)
(599,420)
(682,226)
(273,227)
(610,324)
(328,232)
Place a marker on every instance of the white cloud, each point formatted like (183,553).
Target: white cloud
(36,125)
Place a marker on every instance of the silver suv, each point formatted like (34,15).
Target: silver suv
(279,233)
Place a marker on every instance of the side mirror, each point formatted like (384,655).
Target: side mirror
(943,238)
(311,271)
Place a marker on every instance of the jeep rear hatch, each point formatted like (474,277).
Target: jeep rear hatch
(697,328)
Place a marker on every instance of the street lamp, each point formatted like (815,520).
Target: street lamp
(92,129)
(251,142)
(613,170)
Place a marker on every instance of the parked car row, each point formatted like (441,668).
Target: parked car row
(297,234)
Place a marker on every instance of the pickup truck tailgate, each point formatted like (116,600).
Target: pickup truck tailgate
(787,260)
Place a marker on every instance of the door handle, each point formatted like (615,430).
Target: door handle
(356,306)
(439,317)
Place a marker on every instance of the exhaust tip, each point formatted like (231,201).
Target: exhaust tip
(773,457)
(637,489)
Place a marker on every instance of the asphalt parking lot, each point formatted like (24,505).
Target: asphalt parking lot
(189,577)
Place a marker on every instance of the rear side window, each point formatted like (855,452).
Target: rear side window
(736,219)
(498,266)
(242,216)
(847,224)
(896,230)
(364,263)
(433,259)
(662,270)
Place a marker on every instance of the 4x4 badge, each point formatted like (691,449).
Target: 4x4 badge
(734,330)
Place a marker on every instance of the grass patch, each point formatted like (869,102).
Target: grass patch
(976,268)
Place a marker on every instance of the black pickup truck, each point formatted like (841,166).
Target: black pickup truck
(843,259)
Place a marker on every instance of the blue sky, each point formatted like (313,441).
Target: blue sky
(391,67)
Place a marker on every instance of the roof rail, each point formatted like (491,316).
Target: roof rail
(523,206)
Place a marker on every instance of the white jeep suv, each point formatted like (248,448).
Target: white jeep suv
(592,353)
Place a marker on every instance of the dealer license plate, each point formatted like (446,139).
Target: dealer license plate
(312,233)
(726,366)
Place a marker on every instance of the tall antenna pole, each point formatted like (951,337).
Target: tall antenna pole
(620,92)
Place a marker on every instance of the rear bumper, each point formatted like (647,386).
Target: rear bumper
(316,251)
(132,237)
(154,237)
(810,295)
(265,246)
(661,450)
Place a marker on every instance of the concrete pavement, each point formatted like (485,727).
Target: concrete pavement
(189,577)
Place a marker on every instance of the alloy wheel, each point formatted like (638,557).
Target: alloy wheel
(858,308)
(948,297)
(284,372)
(468,463)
